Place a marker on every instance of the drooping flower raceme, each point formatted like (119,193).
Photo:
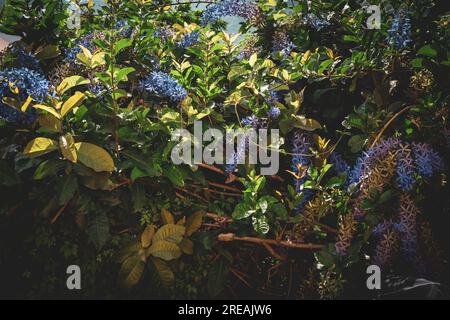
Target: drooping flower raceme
(28,83)
(189,40)
(399,33)
(315,22)
(405,168)
(241,8)
(300,161)
(161,83)
(282,43)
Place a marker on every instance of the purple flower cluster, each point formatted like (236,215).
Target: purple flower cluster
(86,41)
(281,42)
(300,149)
(29,83)
(274,112)
(241,8)
(237,157)
(405,168)
(124,29)
(189,40)
(253,121)
(339,164)
(315,22)
(161,83)
(164,34)
(427,160)
(365,163)
(25,59)
(399,33)
(248,48)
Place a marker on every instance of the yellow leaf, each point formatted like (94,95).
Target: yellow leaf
(26,104)
(73,102)
(67,147)
(40,146)
(167,217)
(147,236)
(164,250)
(253,59)
(70,82)
(194,222)
(52,111)
(305,57)
(170,232)
(94,157)
(98,60)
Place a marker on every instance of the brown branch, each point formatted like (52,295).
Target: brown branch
(273,252)
(212,168)
(59,213)
(227,237)
(223,186)
(388,124)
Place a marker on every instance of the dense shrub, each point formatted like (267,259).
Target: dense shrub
(86,176)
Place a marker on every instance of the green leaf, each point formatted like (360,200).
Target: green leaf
(94,157)
(306,124)
(122,44)
(122,75)
(40,146)
(8,177)
(218,276)
(48,168)
(242,211)
(98,229)
(428,51)
(138,196)
(260,224)
(174,174)
(67,190)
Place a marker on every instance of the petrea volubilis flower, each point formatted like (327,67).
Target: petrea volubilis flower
(25,59)
(282,43)
(163,84)
(240,8)
(28,83)
(124,28)
(399,33)
(339,164)
(274,112)
(86,42)
(405,168)
(315,22)
(300,161)
(189,40)
(164,34)
(237,157)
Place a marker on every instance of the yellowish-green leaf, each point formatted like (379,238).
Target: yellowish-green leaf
(40,146)
(94,157)
(47,52)
(165,250)
(74,101)
(147,236)
(306,124)
(253,59)
(167,217)
(98,60)
(50,123)
(131,271)
(71,82)
(187,246)
(67,147)
(194,222)
(165,273)
(170,232)
(50,110)
(12,102)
